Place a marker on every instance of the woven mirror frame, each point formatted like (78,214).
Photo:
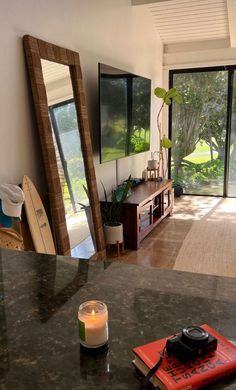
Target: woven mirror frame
(35,50)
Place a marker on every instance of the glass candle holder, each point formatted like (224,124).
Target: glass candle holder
(93,324)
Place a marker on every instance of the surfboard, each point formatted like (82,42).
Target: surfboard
(37,219)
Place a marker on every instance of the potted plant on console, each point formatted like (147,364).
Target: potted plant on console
(111,213)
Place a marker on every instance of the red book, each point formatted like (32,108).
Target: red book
(174,375)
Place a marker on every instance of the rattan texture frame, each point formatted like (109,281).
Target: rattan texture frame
(35,50)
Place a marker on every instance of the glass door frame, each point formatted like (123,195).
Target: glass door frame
(56,132)
(230,69)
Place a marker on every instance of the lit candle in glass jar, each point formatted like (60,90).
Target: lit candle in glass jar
(93,324)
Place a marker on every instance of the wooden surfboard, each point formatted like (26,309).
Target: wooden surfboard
(37,219)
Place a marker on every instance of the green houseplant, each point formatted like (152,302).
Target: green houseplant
(167,97)
(111,209)
(111,212)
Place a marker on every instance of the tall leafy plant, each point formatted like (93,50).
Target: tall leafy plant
(111,209)
(167,97)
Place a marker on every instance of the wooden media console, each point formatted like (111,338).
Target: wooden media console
(144,209)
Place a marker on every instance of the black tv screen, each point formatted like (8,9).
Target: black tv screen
(124,113)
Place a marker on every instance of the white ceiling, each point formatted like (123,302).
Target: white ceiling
(181,21)
(52,71)
(57,82)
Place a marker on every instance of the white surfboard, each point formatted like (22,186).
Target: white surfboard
(37,219)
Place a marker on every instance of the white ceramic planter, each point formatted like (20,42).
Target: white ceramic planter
(113,234)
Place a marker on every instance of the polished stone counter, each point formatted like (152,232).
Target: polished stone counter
(39,300)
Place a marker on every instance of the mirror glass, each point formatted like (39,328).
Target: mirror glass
(70,163)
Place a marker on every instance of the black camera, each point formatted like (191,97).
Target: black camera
(192,342)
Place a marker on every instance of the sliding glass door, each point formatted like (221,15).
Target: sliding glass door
(232,143)
(203,156)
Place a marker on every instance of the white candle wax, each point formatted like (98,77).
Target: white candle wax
(93,326)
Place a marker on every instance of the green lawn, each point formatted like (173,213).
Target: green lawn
(203,148)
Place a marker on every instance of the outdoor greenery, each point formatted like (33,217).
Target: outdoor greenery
(81,197)
(124,132)
(69,137)
(66,117)
(199,131)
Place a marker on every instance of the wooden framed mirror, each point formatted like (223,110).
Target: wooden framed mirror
(43,61)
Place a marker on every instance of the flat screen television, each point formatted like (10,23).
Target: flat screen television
(124,104)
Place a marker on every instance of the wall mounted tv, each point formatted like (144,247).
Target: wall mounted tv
(124,103)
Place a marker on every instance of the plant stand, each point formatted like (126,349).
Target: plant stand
(114,236)
(118,245)
(152,174)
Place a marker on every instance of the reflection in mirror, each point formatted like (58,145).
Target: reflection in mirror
(70,163)
(57,282)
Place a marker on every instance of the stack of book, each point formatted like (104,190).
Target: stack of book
(175,375)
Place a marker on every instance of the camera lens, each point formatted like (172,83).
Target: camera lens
(194,336)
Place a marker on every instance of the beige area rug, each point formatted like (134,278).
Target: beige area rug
(210,245)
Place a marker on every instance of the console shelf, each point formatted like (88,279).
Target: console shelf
(144,209)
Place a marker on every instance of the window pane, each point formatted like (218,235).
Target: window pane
(232,158)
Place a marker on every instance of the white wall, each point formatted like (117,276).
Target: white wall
(108,31)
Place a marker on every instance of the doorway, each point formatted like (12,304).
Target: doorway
(203,131)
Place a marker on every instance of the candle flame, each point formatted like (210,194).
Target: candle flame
(93,312)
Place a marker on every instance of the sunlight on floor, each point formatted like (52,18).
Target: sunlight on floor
(78,229)
(228,205)
(194,207)
(226,209)
(84,250)
(81,242)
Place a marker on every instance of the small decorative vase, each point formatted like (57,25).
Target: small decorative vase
(145,175)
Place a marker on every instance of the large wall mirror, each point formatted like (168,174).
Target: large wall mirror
(61,114)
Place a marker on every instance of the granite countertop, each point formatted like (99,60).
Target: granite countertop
(39,300)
